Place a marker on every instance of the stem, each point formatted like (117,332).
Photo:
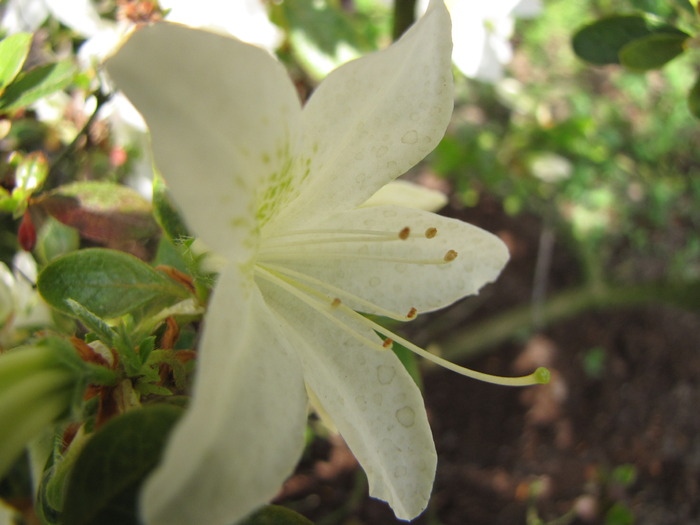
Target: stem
(69,150)
(472,342)
(404,16)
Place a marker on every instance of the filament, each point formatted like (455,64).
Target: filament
(328,306)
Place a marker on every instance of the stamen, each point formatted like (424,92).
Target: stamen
(359,301)
(430,233)
(405,233)
(321,236)
(267,255)
(306,295)
(451,255)
(388,343)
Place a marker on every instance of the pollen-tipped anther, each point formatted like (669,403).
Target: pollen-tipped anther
(387,343)
(404,233)
(335,303)
(411,313)
(430,233)
(451,255)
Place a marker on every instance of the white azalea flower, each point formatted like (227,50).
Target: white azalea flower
(277,192)
(21,307)
(481,33)
(28,15)
(245,19)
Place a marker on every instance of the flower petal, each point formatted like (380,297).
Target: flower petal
(409,195)
(374,118)
(243,432)
(221,115)
(371,399)
(391,274)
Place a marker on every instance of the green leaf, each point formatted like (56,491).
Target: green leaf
(55,239)
(652,51)
(13,52)
(104,486)
(30,172)
(601,41)
(93,323)
(108,283)
(35,84)
(276,515)
(322,36)
(694,99)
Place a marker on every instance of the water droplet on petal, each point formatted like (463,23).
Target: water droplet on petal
(381,151)
(361,402)
(410,137)
(375,281)
(400,471)
(406,416)
(385,374)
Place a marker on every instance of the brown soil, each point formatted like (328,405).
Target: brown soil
(613,444)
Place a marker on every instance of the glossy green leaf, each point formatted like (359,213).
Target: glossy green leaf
(652,51)
(276,515)
(694,99)
(103,212)
(35,84)
(104,486)
(13,52)
(601,41)
(55,239)
(108,283)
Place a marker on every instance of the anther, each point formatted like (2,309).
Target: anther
(411,313)
(387,343)
(430,233)
(451,255)
(404,233)
(335,303)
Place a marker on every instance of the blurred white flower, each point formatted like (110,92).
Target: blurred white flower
(28,15)
(481,33)
(244,19)
(550,167)
(21,307)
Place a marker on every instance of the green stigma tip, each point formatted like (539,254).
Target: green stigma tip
(542,375)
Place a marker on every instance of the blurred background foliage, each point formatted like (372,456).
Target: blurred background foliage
(604,157)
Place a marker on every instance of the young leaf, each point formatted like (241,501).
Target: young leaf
(694,99)
(13,52)
(103,488)
(101,211)
(652,51)
(601,41)
(35,84)
(105,282)
(93,323)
